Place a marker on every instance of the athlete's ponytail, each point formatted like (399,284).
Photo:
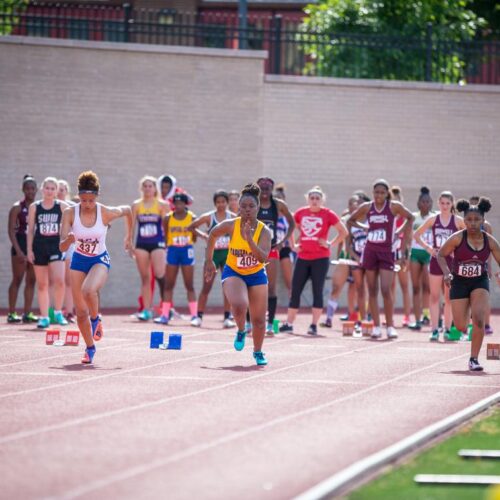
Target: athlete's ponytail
(252,190)
(88,183)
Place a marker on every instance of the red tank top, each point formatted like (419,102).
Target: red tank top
(441,233)
(470,263)
(22,218)
(380,227)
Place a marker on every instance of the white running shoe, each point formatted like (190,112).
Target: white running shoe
(228,323)
(376,333)
(392,333)
(195,321)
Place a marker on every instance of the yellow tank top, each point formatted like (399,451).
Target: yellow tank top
(178,235)
(240,257)
(154,209)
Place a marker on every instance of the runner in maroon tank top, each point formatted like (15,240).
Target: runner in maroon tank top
(442,225)
(468,280)
(378,257)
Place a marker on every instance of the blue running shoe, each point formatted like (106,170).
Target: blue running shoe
(89,355)
(145,315)
(97,331)
(60,319)
(239,341)
(161,320)
(260,358)
(43,323)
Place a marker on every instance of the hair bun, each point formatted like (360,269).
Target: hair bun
(484,205)
(425,190)
(462,205)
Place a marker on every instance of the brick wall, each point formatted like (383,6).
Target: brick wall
(213,120)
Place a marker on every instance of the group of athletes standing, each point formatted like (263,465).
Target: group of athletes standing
(249,236)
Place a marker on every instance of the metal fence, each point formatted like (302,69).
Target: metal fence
(428,56)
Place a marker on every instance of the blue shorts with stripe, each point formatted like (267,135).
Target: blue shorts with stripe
(84,264)
(258,278)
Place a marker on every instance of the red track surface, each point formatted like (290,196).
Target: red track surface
(205,422)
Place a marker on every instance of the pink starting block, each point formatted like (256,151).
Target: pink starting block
(493,351)
(72,337)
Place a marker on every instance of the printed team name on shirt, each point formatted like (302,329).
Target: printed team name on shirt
(48,224)
(379,219)
(311,226)
(441,235)
(148,225)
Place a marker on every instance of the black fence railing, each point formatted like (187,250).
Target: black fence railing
(428,56)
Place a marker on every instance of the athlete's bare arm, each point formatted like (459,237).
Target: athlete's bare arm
(399,209)
(358,215)
(261,249)
(417,235)
(11,228)
(285,212)
(109,214)
(447,249)
(31,229)
(221,229)
(67,236)
(495,251)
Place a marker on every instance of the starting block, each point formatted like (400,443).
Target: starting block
(51,336)
(174,341)
(493,351)
(348,328)
(156,340)
(367,328)
(72,337)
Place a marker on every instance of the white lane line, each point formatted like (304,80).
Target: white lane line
(422,348)
(321,346)
(41,374)
(120,372)
(194,450)
(151,404)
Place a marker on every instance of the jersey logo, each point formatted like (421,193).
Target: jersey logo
(311,225)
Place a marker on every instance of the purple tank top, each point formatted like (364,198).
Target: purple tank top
(441,233)
(470,263)
(22,218)
(380,228)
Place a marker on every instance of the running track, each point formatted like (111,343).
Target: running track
(205,422)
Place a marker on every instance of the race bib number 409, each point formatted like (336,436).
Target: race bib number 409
(377,236)
(246,262)
(470,269)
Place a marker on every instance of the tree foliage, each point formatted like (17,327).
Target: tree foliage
(388,39)
(10,11)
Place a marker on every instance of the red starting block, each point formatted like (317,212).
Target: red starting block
(367,328)
(493,351)
(72,337)
(51,336)
(348,328)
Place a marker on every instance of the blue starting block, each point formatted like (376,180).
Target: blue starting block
(156,340)
(174,341)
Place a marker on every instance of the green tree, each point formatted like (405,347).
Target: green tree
(10,10)
(388,39)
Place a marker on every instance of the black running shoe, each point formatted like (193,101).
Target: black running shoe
(286,328)
(474,365)
(312,330)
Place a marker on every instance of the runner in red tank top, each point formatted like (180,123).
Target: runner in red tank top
(443,225)
(469,281)
(378,257)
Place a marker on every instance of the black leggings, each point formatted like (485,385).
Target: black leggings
(304,269)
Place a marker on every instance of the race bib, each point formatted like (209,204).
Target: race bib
(470,269)
(427,237)
(49,229)
(222,243)
(440,240)
(359,245)
(148,230)
(377,236)
(181,241)
(246,261)
(87,246)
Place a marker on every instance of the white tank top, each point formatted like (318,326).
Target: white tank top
(90,241)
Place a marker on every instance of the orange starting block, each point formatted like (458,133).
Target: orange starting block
(51,336)
(348,328)
(493,351)
(72,337)
(367,328)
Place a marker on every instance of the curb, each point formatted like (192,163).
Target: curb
(340,482)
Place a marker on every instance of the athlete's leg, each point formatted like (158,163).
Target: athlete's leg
(143,262)
(447,308)
(42,287)
(272,299)
(29,288)
(93,282)
(187,276)
(81,307)
(372,282)
(236,291)
(203,296)
(461,313)
(359,284)
(386,280)
(158,266)
(18,269)
(301,274)
(416,280)
(339,277)
(425,289)
(436,285)
(403,277)
(287,271)
(257,303)
(319,269)
(170,279)
(56,276)
(479,301)
(68,295)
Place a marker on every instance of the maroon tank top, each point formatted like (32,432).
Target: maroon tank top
(441,233)
(470,263)
(380,228)
(22,218)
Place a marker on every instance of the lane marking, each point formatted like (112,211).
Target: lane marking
(150,404)
(194,450)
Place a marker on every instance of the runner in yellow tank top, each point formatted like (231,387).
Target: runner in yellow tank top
(244,278)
